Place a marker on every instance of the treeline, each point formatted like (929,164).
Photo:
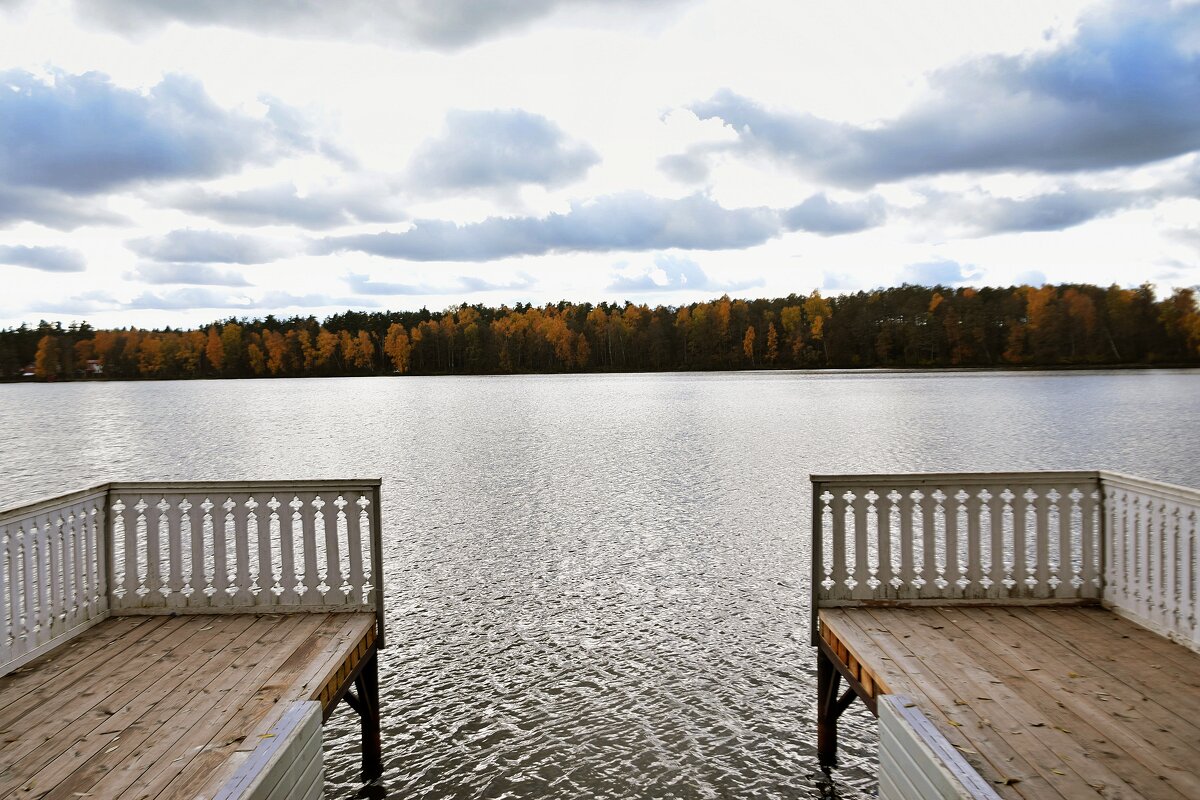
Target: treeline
(906,326)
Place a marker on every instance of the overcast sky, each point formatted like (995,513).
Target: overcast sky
(171,162)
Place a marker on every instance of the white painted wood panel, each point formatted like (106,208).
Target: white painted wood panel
(916,762)
(286,762)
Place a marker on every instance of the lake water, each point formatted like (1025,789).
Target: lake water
(597,586)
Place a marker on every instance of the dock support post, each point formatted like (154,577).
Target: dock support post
(830,707)
(367,691)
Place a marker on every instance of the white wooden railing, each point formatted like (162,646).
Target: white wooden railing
(215,547)
(1152,569)
(1020,537)
(52,577)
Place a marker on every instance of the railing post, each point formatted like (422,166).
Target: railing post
(818,557)
(104,548)
(377,563)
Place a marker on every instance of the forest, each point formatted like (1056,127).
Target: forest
(905,326)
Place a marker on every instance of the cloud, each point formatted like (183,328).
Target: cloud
(1031,277)
(193,246)
(498,149)
(95,301)
(276,299)
(673,274)
(630,221)
(53,209)
(447,24)
(283,204)
(195,274)
(1189,236)
(1124,91)
(83,135)
(939,272)
(188,299)
(685,167)
(185,299)
(981,214)
(818,214)
(47,259)
(362,284)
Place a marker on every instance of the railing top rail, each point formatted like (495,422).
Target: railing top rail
(248,486)
(1166,491)
(918,478)
(37,506)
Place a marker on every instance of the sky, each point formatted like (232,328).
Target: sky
(174,162)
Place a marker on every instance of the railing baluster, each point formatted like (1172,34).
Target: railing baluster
(927,504)
(975,545)
(908,573)
(308,528)
(241,538)
(883,517)
(265,579)
(56,572)
(839,572)
(950,517)
(291,524)
(355,545)
(333,566)
(176,576)
(96,558)
(41,597)
(220,540)
(75,522)
(5,582)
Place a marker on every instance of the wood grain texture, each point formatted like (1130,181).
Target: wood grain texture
(1070,702)
(159,707)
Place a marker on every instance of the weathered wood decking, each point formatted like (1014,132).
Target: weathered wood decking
(167,706)
(1044,702)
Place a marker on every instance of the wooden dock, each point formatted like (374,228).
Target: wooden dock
(153,651)
(1042,702)
(1046,627)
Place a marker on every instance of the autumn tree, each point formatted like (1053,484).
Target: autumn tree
(48,362)
(214,350)
(397,348)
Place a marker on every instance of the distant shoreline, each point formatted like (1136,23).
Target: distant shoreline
(815,371)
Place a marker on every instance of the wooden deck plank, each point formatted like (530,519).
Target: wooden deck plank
(26,702)
(1130,720)
(1174,696)
(1167,659)
(122,739)
(72,739)
(133,704)
(982,691)
(319,654)
(47,667)
(1039,683)
(908,674)
(1096,705)
(33,719)
(165,732)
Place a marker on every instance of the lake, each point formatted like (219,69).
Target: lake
(597,586)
